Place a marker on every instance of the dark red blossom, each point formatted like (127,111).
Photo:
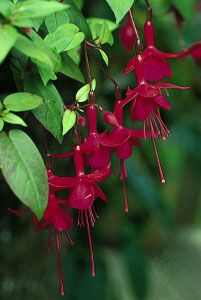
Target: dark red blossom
(194,51)
(127,34)
(83,192)
(156,66)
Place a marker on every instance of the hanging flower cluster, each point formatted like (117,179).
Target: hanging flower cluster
(92,155)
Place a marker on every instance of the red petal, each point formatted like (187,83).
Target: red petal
(58,183)
(82,196)
(144,107)
(116,137)
(99,193)
(99,158)
(19,212)
(162,101)
(98,175)
(130,66)
(62,220)
(124,151)
(156,68)
(131,95)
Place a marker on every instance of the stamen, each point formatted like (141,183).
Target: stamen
(90,246)
(68,238)
(125,196)
(144,129)
(156,153)
(94,212)
(59,263)
(63,245)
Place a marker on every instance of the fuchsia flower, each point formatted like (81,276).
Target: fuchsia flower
(127,35)
(83,192)
(98,156)
(194,51)
(147,99)
(156,66)
(57,218)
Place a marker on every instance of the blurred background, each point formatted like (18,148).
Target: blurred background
(152,253)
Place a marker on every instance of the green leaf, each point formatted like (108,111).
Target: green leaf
(8,37)
(94,21)
(77,18)
(61,37)
(30,49)
(52,53)
(23,168)
(24,23)
(76,41)
(79,3)
(70,69)
(6,8)
(13,119)
(69,119)
(185,7)
(53,21)
(1,124)
(22,101)
(120,8)
(37,8)
(50,114)
(1,106)
(104,56)
(101,33)
(104,33)
(83,93)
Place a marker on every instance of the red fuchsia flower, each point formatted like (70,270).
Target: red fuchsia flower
(147,99)
(194,51)
(121,140)
(155,62)
(127,35)
(97,155)
(57,218)
(83,192)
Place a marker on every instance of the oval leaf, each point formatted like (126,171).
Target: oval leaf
(8,37)
(13,119)
(24,170)
(83,93)
(120,8)
(69,119)
(104,56)
(22,101)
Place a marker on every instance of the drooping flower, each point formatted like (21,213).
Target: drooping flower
(156,66)
(55,219)
(127,34)
(194,51)
(147,99)
(83,192)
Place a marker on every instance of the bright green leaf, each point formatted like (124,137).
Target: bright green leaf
(53,21)
(104,33)
(1,106)
(24,170)
(70,69)
(77,18)
(1,124)
(93,21)
(79,3)
(37,8)
(76,41)
(83,93)
(120,8)
(104,56)
(22,101)
(62,37)
(13,119)
(29,48)
(50,114)
(69,119)
(8,37)
(6,7)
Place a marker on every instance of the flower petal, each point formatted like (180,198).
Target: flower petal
(162,101)
(99,158)
(144,107)
(125,151)
(130,66)
(62,220)
(98,175)
(82,196)
(99,193)
(156,68)
(171,86)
